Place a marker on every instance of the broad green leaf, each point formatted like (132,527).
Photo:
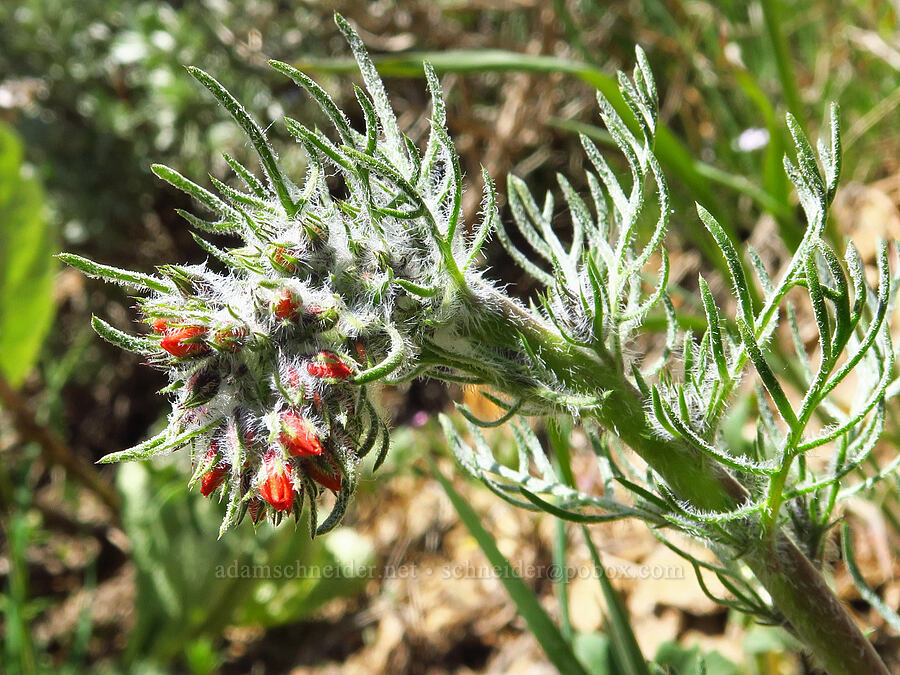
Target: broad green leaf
(26,264)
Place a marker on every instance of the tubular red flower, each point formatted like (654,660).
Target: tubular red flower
(181,341)
(328,365)
(277,488)
(298,435)
(286,306)
(159,325)
(216,476)
(332,481)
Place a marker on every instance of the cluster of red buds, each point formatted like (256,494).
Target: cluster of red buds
(269,363)
(272,347)
(274,417)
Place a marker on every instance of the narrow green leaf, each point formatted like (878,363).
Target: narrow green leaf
(832,157)
(488,219)
(136,345)
(806,159)
(522,260)
(839,295)
(817,298)
(563,514)
(500,421)
(217,227)
(256,135)
(671,152)
(715,332)
(125,277)
(765,281)
(391,362)
(858,277)
(733,260)
(326,103)
(368,109)
(624,643)
(157,445)
(236,196)
(322,144)
(766,375)
(247,176)
(870,596)
(395,145)
(189,187)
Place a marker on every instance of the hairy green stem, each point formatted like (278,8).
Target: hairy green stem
(798,591)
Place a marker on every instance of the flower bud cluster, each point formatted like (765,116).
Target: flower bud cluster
(263,362)
(272,346)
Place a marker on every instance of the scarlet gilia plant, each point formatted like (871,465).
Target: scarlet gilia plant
(273,346)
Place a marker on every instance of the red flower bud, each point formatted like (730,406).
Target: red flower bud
(298,436)
(328,480)
(293,378)
(216,476)
(159,325)
(328,365)
(277,488)
(285,259)
(230,338)
(286,306)
(182,341)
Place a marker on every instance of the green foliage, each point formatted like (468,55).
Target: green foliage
(678,660)
(26,268)
(18,653)
(389,249)
(106,94)
(191,585)
(614,653)
(539,623)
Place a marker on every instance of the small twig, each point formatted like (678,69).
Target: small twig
(55,451)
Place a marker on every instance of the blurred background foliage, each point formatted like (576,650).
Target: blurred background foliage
(92,93)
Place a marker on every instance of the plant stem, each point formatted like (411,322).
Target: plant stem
(54,450)
(797,589)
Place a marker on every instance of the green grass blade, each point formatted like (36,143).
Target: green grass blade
(545,631)
(786,76)
(890,616)
(624,643)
